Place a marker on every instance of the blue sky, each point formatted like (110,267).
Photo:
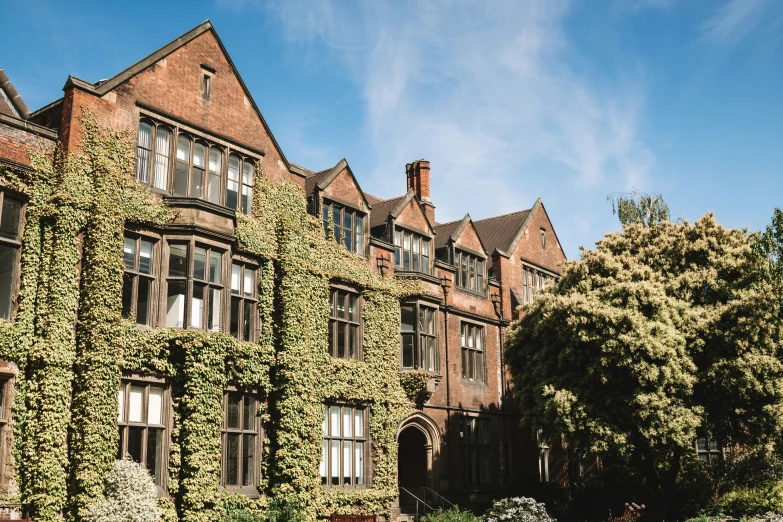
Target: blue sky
(510,101)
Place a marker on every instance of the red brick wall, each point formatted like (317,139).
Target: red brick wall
(412,216)
(344,188)
(15,144)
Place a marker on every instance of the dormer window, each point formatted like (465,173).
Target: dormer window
(411,251)
(347,226)
(470,271)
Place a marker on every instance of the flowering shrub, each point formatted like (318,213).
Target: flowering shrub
(130,496)
(517,509)
(453,514)
(632,513)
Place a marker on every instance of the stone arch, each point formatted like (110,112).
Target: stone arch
(426,426)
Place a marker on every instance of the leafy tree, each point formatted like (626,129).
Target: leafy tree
(639,207)
(655,334)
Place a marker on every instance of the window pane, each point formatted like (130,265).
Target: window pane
(353,342)
(7,273)
(197,306)
(359,462)
(247,322)
(235,281)
(234,319)
(145,257)
(162,143)
(135,435)
(213,188)
(215,160)
(415,253)
(197,183)
(183,149)
(129,253)
(358,423)
(121,403)
(397,248)
(199,153)
(199,263)
(213,310)
(334,420)
(341,341)
(127,295)
(249,414)
(175,304)
(248,282)
(155,406)
(322,465)
(407,321)
(142,152)
(247,199)
(232,192)
(181,179)
(135,403)
(247,173)
(214,267)
(232,456)
(335,461)
(248,459)
(178,260)
(232,415)
(406,254)
(407,351)
(143,301)
(347,464)
(347,421)
(341,305)
(155,453)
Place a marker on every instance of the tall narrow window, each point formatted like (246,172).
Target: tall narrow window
(232,189)
(244,289)
(345,317)
(418,337)
(247,187)
(348,226)
(162,148)
(10,244)
(473,355)
(6,394)
(142,420)
(197,172)
(344,446)
(470,271)
(474,436)
(138,280)
(240,440)
(215,169)
(182,172)
(143,152)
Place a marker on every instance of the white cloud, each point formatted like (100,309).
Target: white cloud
(482,90)
(734,21)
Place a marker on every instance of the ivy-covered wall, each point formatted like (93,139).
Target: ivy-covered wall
(72,346)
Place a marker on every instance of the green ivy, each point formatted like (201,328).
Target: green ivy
(65,413)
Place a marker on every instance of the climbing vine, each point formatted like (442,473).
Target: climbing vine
(65,411)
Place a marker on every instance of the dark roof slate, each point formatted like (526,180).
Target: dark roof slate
(443,232)
(381,210)
(499,232)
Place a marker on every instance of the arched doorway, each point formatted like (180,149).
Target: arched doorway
(418,444)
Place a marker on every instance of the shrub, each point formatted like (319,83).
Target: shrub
(453,514)
(130,496)
(742,502)
(517,509)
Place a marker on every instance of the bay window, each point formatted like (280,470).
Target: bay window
(411,251)
(194,287)
(418,337)
(138,280)
(243,301)
(236,186)
(152,154)
(344,446)
(470,271)
(348,226)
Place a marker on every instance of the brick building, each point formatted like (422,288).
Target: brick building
(200,140)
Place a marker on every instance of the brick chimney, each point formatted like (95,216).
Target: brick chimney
(418,174)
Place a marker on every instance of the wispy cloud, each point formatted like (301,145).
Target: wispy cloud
(737,19)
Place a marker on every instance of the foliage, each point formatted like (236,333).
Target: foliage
(767,249)
(517,509)
(631,513)
(749,467)
(130,496)
(743,502)
(453,514)
(647,339)
(639,208)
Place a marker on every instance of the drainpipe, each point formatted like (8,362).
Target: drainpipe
(444,283)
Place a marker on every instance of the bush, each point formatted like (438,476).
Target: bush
(130,496)
(453,514)
(742,502)
(517,509)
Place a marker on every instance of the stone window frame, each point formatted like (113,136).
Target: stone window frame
(7,381)
(14,244)
(192,242)
(257,431)
(123,409)
(246,165)
(336,322)
(243,299)
(402,247)
(417,335)
(358,237)
(328,437)
(471,270)
(476,453)
(535,280)
(470,353)
(136,275)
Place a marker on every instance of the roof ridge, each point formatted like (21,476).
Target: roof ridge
(504,215)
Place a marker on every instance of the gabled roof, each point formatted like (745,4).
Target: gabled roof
(103,87)
(11,102)
(325,177)
(393,207)
(453,230)
(500,232)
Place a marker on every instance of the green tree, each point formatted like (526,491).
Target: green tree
(639,207)
(645,341)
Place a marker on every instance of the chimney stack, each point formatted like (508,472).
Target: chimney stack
(418,174)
